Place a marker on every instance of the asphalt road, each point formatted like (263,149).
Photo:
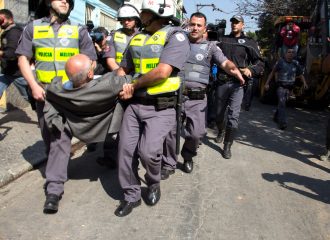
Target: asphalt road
(274,187)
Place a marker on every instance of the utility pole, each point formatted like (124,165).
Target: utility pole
(200,6)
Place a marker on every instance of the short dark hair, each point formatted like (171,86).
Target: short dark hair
(199,15)
(102,30)
(7,13)
(290,49)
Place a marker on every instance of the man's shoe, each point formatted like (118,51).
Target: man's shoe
(153,195)
(220,137)
(51,204)
(165,173)
(282,126)
(188,165)
(106,162)
(126,208)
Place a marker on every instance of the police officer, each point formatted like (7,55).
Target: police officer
(9,41)
(196,76)
(129,18)
(156,55)
(51,41)
(287,70)
(244,52)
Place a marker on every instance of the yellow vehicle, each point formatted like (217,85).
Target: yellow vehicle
(313,55)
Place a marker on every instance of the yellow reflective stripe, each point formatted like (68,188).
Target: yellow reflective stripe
(158,38)
(63,54)
(119,57)
(168,85)
(42,32)
(138,40)
(45,54)
(68,31)
(120,37)
(148,64)
(136,62)
(47,76)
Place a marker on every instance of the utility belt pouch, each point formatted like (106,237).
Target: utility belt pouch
(162,103)
(195,93)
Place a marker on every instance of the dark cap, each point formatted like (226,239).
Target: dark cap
(238,18)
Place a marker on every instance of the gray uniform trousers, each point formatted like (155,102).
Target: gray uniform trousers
(195,112)
(282,97)
(58,146)
(142,134)
(170,158)
(229,94)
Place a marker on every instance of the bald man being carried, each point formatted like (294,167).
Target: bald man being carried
(83,107)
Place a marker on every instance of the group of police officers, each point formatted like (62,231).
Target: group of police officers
(165,61)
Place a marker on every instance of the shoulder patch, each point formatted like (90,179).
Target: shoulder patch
(180,37)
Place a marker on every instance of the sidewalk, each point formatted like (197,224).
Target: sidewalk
(21,145)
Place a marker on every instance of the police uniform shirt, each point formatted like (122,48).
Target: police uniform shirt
(26,47)
(243,51)
(175,53)
(215,55)
(218,57)
(112,50)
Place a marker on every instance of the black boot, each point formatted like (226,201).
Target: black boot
(221,133)
(226,150)
(220,136)
(228,141)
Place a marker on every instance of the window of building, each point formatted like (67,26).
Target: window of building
(107,22)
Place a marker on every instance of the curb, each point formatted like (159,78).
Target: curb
(17,171)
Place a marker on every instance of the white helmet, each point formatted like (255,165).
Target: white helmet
(162,8)
(128,11)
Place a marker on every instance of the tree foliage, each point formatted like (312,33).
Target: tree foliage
(265,11)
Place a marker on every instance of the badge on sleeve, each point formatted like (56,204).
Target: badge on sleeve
(180,37)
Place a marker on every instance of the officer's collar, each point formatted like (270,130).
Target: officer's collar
(47,20)
(241,36)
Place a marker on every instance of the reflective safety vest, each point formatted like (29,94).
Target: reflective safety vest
(52,50)
(146,52)
(120,41)
(197,68)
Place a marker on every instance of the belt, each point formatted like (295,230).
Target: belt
(160,103)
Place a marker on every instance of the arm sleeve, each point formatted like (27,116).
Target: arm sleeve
(176,51)
(86,45)
(256,61)
(218,56)
(25,45)
(127,61)
(112,51)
